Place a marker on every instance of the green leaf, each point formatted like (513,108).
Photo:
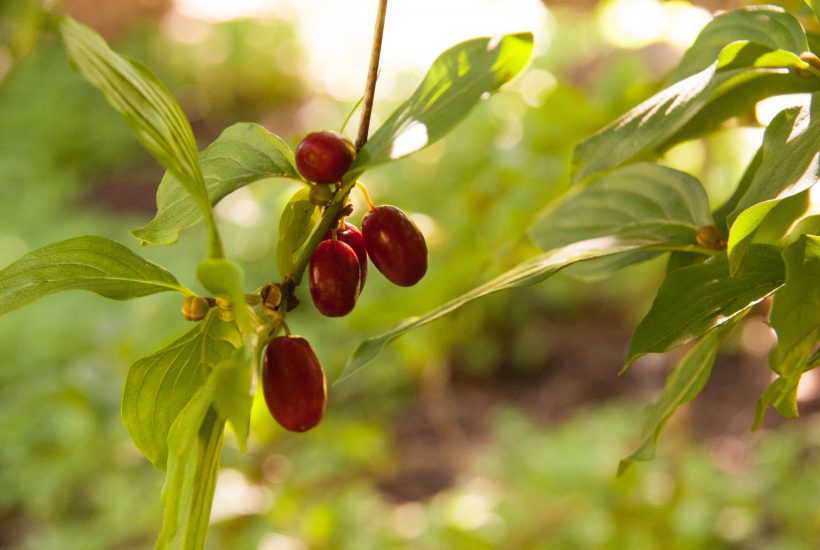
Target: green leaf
(224,278)
(643,201)
(722,214)
(673,113)
(232,393)
(159,386)
(295,226)
(815,6)
(242,154)
(795,317)
(695,299)
(82,263)
(532,271)
(194,442)
(768,25)
(790,165)
(458,80)
(684,382)
(810,225)
(148,108)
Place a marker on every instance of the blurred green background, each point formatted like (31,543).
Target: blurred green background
(499,427)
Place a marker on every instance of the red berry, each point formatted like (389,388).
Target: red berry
(294,383)
(352,237)
(395,245)
(335,278)
(324,157)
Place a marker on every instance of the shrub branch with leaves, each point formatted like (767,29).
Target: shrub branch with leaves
(625,208)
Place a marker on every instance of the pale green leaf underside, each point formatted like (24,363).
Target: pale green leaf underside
(195,441)
(298,219)
(684,382)
(90,263)
(532,271)
(159,386)
(768,25)
(795,317)
(242,154)
(143,101)
(639,201)
(458,80)
(654,124)
(790,164)
(695,299)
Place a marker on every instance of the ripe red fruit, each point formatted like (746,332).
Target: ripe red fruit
(352,237)
(294,383)
(395,245)
(324,157)
(335,278)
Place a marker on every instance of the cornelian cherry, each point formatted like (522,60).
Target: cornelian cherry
(294,383)
(395,245)
(324,157)
(334,278)
(352,237)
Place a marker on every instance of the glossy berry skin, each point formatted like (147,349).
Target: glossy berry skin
(334,277)
(352,237)
(395,245)
(294,383)
(324,157)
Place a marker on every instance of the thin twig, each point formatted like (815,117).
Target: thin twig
(372,75)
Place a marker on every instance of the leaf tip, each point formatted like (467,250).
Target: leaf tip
(632,358)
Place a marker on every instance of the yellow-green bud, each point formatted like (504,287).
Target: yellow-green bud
(195,308)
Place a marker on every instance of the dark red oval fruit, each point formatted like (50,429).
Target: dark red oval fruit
(324,157)
(335,278)
(294,383)
(352,237)
(395,245)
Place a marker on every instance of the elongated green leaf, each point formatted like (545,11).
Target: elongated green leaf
(643,201)
(532,271)
(82,263)
(768,25)
(790,164)
(159,386)
(795,317)
(693,300)
(242,154)
(460,78)
(146,105)
(194,442)
(232,393)
(682,385)
(295,225)
(673,113)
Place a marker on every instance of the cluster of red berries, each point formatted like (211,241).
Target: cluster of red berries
(292,379)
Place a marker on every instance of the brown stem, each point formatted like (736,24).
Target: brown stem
(372,75)
(336,208)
